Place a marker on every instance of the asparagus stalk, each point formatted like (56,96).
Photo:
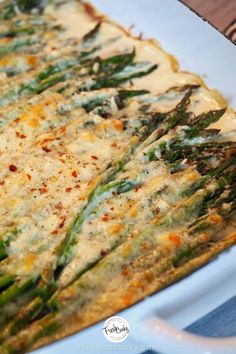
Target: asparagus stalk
(90,37)
(13,32)
(190,142)
(5,240)
(134,71)
(72,60)
(28,6)
(117,63)
(126,94)
(18,45)
(6,280)
(68,69)
(178,116)
(15,290)
(31,86)
(41,25)
(67,60)
(11,309)
(202,121)
(18,31)
(7,10)
(65,250)
(12,8)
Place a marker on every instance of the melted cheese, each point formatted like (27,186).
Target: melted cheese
(59,156)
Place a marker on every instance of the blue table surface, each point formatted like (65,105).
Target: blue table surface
(219,323)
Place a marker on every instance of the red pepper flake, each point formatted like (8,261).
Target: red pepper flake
(94,157)
(54,232)
(114,145)
(58,206)
(2,183)
(103,252)
(22,136)
(12,168)
(63,218)
(74,174)
(29,176)
(43,190)
(46,149)
(105,217)
(176,239)
(68,190)
(33,190)
(63,130)
(112,208)
(137,188)
(125,271)
(44,141)
(77,186)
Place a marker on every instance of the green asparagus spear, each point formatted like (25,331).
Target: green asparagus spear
(5,240)
(6,280)
(65,70)
(17,45)
(15,290)
(89,37)
(7,10)
(11,8)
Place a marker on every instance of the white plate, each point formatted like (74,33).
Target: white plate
(200,49)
